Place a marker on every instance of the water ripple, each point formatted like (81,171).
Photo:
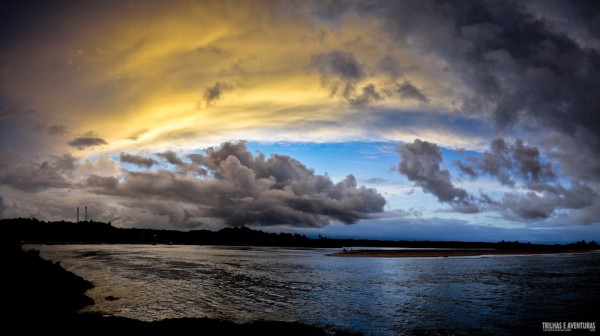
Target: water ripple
(496,295)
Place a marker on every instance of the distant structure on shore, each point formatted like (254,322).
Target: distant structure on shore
(86,217)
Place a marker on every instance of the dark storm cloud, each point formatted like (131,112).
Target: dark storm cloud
(420,162)
(171,157)
(214,92)
(340,71)
(369,94)
(466,169)
(408,91)
(537,72)
(214,157)
(89,139)
(529,164)
(105,183)
(330,10)
(341,64)
(504,162)
(137,160)
(579,20)
(245,189)
(58,129)
(525,63)
(539,196)
(54,173)
(183,167)
(545,200)
(576,159)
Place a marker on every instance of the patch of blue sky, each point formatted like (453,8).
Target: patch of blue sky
(370,162)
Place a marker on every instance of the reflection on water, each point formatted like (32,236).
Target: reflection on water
(376,296)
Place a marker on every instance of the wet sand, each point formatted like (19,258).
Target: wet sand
(444,253)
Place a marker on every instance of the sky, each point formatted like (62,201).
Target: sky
(436,120)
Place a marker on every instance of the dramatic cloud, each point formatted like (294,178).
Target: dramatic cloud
(506,90)
(536,206)
(214,92)
(244,189)
(544,199)
(54,173)
(101,182)
(137,160)
(58,129)
(171,157)
(369,94)
(521,63)
(538,197)
(503,161)
(340,71)
(421,164)
(90,139)
(408,91)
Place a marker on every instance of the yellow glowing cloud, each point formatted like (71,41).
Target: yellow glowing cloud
(137,75)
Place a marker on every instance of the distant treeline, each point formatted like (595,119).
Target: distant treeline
(33,230)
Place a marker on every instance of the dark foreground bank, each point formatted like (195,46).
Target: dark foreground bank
(42,297)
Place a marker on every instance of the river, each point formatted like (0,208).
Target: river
(496,295)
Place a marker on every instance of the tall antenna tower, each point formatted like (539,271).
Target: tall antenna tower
(77,214)
(86,213)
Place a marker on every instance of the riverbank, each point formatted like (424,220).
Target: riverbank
(445,253)
(43,297)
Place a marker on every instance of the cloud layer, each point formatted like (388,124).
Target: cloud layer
(421,163)
(227,185)
(538,195)
(103,106)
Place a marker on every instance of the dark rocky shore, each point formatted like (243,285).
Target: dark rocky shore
(42,297)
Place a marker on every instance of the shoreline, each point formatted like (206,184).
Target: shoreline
(50,299)
(446,253)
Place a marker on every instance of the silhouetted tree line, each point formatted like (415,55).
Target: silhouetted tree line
(33,230)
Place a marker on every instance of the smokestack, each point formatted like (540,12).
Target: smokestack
(77,214)
(86,213)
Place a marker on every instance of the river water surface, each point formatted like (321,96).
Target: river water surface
(495,295)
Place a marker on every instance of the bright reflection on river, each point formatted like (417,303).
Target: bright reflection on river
(376,296)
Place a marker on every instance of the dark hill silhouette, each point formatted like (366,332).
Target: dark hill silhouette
(35,231)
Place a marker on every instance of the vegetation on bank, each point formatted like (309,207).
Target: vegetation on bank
(33,230)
